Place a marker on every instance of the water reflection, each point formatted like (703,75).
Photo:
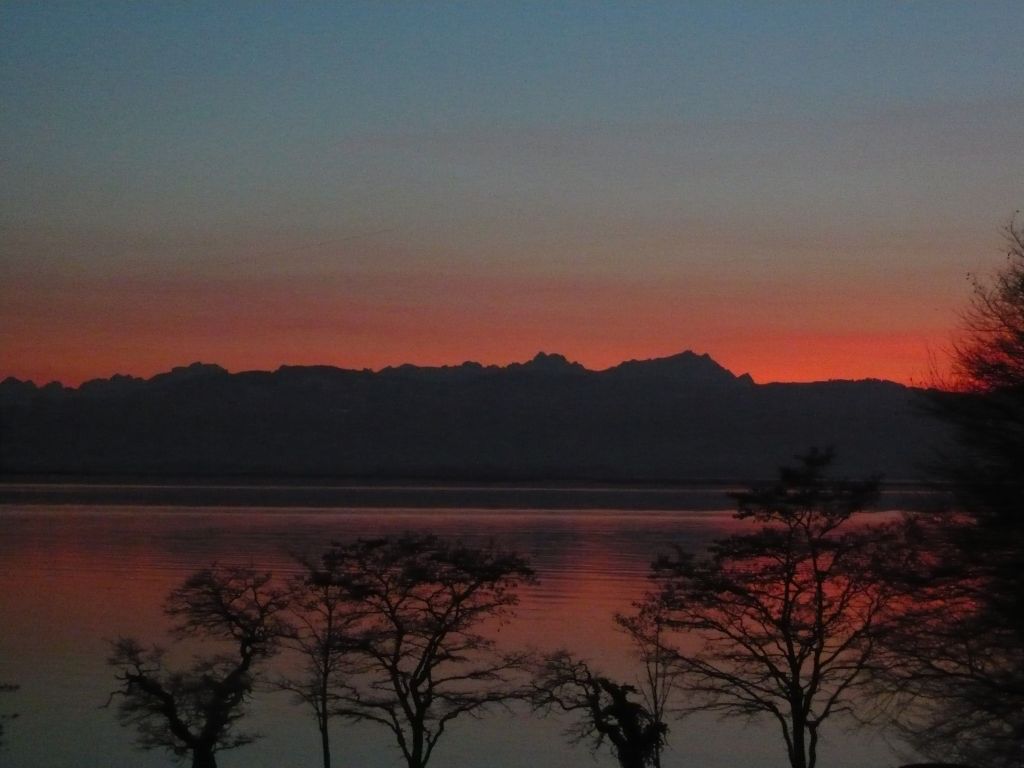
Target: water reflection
(76,577)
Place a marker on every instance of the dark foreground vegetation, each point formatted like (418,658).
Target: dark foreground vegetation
(389,631)
(956,671)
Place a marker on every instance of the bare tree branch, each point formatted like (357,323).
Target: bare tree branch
(605,709)
(416,654)
(193,712)
(785,616)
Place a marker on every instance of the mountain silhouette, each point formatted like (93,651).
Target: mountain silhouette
(677,418)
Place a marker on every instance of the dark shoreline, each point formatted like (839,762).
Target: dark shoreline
(327,493)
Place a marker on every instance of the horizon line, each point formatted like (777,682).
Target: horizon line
(539,356)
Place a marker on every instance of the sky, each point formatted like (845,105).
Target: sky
(799,190)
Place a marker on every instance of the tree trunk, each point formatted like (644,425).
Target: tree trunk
(204,758)
(630,758)
(798,756)
(325,743)
(323,710)
(415,757)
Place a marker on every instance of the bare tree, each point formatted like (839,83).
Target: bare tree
(323,621)
(785,617)
(990,355)
(955,664)
(605,710)
(950,672)
(421,657)
(660,678)
(194,712)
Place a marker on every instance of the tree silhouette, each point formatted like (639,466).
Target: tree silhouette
(194,712)
(785,616)
(323,621)
(421,658)
(661,675)
(955,664)
(605,709)
(950,671)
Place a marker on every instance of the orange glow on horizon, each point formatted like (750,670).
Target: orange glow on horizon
(767,358)
(146,326)
(900,359)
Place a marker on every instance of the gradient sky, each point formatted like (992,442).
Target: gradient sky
(799,190)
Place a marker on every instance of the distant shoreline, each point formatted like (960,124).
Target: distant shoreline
(250,492)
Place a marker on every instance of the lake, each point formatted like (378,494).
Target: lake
(76,576)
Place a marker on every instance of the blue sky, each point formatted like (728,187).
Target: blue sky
(737,171)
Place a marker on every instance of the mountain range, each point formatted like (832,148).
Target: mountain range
(678,418)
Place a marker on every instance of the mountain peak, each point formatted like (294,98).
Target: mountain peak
(688,366)
(544,362)
(187,372)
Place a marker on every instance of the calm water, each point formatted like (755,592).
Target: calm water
(76,576)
